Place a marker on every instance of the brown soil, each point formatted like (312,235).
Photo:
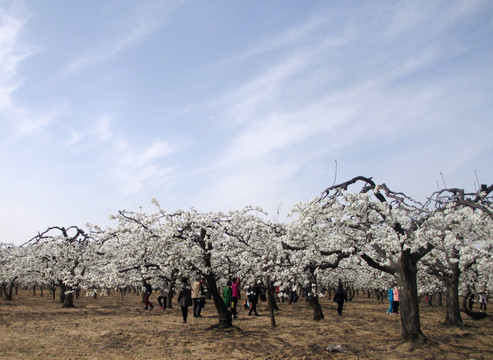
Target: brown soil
(115,327)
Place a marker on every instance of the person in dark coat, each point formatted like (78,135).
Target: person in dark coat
(185,298)
(147,294)
(339,297)
(253,295)
(471,301)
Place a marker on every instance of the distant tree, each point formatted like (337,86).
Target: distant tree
(59,255)
(12,268)
(462,237)
(313,250)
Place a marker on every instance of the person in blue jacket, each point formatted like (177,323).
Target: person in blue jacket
(391,300)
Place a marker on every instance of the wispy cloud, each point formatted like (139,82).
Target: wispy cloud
(134,36)
(292,35)
(148,18)
(275,133)
(253,97)
(12,51)
(102,130)
(134,167)
(436,17)
(28,122)
(74,137)
(130,163)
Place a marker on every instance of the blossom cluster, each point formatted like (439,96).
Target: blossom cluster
(329,239)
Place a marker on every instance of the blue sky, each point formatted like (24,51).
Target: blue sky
(221,104)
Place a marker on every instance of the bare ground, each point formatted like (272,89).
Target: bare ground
(116,327)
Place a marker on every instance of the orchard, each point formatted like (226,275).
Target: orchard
(360,234)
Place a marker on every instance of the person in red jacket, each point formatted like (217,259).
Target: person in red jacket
(236,296)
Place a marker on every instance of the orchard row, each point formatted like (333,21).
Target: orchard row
(357,232)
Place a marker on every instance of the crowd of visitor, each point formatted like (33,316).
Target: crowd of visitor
(196,294)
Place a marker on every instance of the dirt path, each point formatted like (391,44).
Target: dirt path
(116,327)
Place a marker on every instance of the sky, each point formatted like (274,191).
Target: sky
(218,105)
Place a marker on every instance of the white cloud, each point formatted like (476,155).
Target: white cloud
(102,129)
(129,163)
(153,152)
(292,35)
(257,95)
(432,19)
(12,52)
(386,90)
(147,19)
(74,137)
(365,112)
(134,36)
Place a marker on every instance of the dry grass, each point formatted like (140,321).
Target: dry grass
(34,327)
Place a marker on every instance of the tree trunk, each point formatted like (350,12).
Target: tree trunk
(410,321)
(66,296)
(171,286)
(271,301)
(8,289)
(452,306)
(63,288)
(169,302)
(69,300)
(8,293)
(351,293)
(225,316)
(317,309)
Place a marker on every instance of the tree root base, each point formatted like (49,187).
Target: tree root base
(222,327)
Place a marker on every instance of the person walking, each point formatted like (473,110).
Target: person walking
(395,304)
(203,294)
(293,295)
(471,301)
(235,287)
(196,297)
(185,298)
(228,298)
(339,297)
(163,295)
(253,294)
(147,294)
(390,293)
(482,301)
